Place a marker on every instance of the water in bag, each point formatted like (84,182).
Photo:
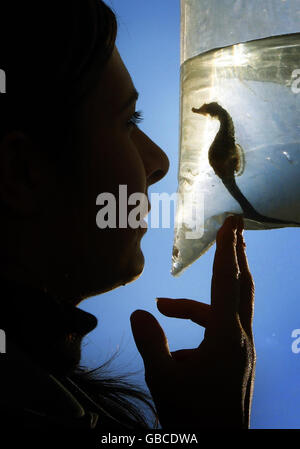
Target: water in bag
(258,84)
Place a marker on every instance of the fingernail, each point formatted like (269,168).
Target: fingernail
(232,221)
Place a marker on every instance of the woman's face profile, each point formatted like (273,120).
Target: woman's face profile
(114,152)
(52,238)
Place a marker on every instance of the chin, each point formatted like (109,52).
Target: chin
(128,271)
(102,278)
(134,268)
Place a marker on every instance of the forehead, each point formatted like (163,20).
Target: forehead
(115,83)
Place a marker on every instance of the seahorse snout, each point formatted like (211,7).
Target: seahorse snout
(202,110)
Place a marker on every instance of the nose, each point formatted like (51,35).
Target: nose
(155,160)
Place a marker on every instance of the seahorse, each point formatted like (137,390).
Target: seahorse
(226,157)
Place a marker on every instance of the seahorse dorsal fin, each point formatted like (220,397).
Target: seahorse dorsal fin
(242,160)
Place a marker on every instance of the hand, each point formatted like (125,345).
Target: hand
(209,386)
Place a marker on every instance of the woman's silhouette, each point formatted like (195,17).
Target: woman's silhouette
(68,131)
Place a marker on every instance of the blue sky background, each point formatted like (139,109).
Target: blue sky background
(148,41)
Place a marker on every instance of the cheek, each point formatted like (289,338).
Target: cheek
(114,161)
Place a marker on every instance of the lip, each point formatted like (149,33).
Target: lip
(144,226)
(149,205)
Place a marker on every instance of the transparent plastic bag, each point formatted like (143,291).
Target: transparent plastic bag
(244,56)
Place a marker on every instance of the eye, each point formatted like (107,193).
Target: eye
(135,119)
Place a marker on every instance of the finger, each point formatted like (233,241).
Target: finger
(246,304)
(150,339)
(225,284)
(189,309)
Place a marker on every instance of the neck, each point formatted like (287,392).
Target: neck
(225,119)
(24,274)
(45,328)
(226,129)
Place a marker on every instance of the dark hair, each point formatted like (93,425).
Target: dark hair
(52,53)
(119,403)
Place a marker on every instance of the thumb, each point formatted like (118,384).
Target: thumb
(150,339)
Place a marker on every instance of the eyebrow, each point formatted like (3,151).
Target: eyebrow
(131,99)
